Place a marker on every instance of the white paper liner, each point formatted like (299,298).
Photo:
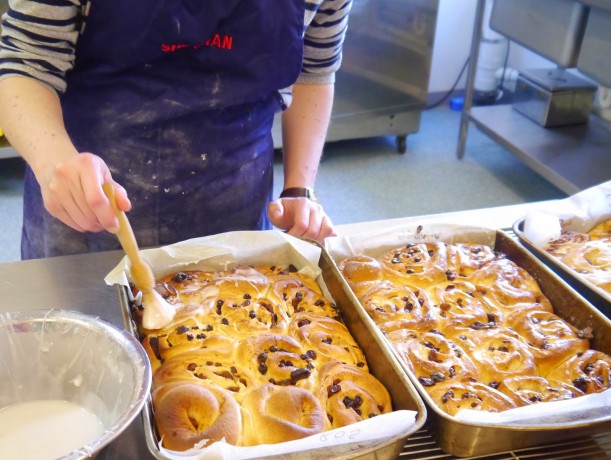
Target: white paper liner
(376,243)
(341,441)
(579,213)
(587,408)
(224,250)
(263,248)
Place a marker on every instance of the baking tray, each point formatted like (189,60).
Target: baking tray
(381,361)
(463,439)
(600,298)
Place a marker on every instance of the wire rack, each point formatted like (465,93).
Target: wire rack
(422,446)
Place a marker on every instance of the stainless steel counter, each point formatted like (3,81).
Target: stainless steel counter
(73,283)
(77,283)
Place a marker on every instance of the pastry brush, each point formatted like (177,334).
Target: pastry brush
(157,312)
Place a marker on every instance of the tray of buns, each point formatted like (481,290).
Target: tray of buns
(573,237)
(260,361)
(580,257)
(505,354)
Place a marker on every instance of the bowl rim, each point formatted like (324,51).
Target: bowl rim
(143,381)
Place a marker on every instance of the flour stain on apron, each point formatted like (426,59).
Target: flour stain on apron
(178,97)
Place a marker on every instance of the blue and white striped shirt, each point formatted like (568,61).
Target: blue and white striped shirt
(39,39)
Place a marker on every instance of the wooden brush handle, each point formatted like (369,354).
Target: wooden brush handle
(142,274)
(125,232)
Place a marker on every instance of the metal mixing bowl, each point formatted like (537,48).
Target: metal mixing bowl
(71,356)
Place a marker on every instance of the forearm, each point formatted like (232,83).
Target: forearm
(31,117)
(304,129)
(71,183)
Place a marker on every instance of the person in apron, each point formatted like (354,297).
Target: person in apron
(172,102)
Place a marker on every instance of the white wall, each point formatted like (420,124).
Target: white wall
(453,43)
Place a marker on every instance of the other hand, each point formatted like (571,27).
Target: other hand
(301,217)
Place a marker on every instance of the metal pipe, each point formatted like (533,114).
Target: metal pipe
(473,57)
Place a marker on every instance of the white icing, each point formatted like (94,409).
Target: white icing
(46,429)
(157,312)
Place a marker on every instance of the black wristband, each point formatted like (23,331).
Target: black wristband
(297,192)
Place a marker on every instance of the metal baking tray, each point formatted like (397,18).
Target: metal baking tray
(463,439)
(380,359)
(600,298)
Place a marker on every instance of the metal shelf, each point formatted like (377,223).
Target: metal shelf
(572,158)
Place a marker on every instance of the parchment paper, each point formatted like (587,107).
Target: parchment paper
(274,248)
(580,212)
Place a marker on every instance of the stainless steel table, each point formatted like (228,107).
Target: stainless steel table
(74,283)
(77,283)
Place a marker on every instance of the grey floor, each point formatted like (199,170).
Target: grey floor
(366,179)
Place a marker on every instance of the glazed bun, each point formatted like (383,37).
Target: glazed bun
(588,254)
(397,306)
(188,413)
(361,269)
(465,259)
(274,414)
(601,231)
(453,397)
(421,264)
(567,241)
(526,390)
(551,340)
(349,394)
(497,353)
(432,357)
(462,304)
(215,366)
(589,371)
(325,339)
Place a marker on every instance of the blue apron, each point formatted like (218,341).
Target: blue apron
(178,97)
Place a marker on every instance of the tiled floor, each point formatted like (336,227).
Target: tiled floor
(366,179)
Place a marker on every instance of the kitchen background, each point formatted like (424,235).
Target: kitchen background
(405,101)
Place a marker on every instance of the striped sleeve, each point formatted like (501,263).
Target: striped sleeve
(39,39)
(326,22)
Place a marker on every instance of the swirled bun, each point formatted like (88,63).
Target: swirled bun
(589,371)
(325,339)
(191,413)
(432,357)
(420,264)
(276,359)
(359,269)
(600,231)
(497,353)
(454,397)
(274,414)
(398,306)
(551,339)
(349,394)
(588,254)
(526,390)
(465,259)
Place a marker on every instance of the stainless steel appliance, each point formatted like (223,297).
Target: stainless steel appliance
(382,86)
